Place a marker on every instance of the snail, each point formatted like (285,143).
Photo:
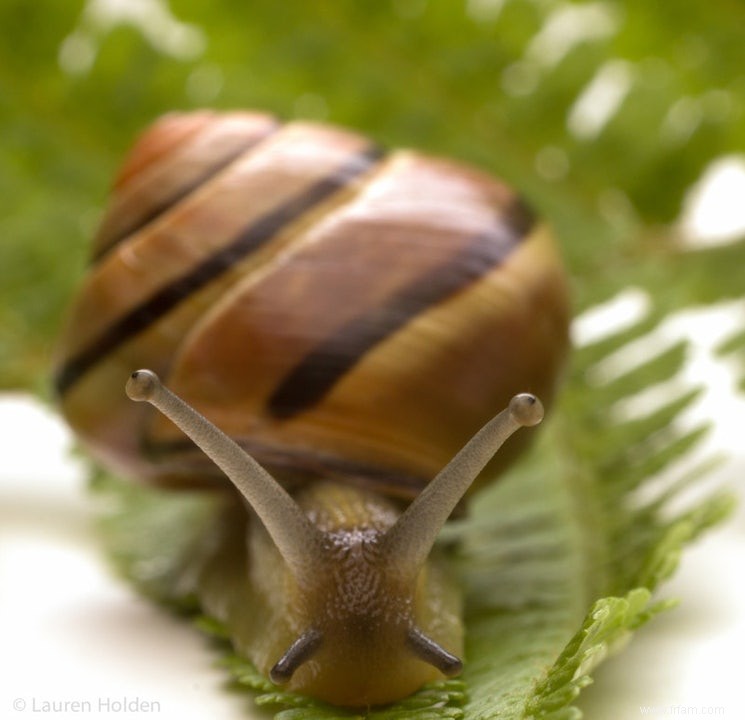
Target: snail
(351,320)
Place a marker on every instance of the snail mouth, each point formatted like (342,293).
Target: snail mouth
(311,641)
(367,617)
(380,671)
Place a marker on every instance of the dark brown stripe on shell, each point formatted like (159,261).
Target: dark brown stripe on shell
(519,216)
(141,221)
(257,234)
(321,369)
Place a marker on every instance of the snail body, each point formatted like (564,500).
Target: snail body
(348,317)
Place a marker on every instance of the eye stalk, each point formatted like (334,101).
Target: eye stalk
(411,539)
(384,570)
(143,385)
(526,410)
(293,533)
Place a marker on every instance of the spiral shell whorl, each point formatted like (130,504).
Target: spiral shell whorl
(334,309)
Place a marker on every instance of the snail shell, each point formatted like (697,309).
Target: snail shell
(338,310)
(350,318)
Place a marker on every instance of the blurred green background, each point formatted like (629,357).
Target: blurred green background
(602,113)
